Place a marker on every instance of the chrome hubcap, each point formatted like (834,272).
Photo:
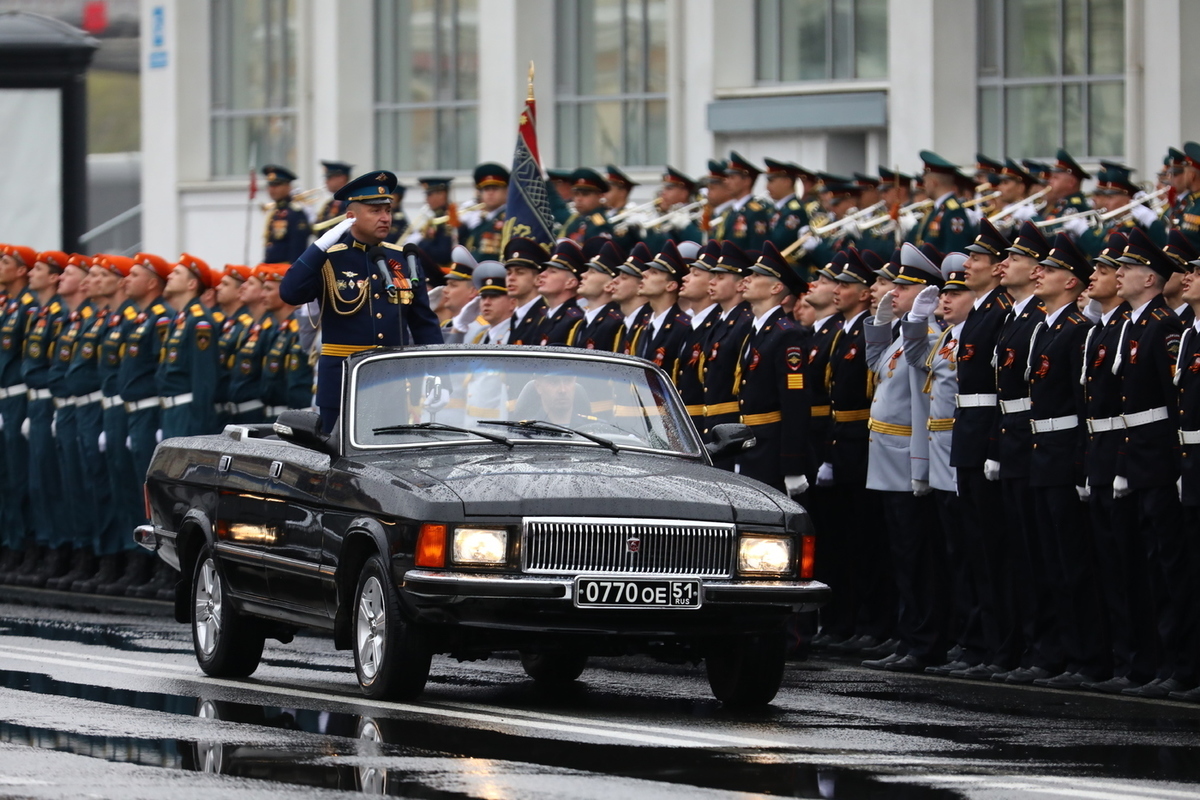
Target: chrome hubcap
(370,628)
(209,755)
(371,780)
(208,608)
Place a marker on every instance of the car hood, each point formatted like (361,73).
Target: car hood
(586,481)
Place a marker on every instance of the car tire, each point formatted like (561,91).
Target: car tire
(391,657)
(228,644)
(747,671)
(554,668)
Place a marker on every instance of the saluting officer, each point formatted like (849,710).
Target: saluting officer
(772,395)
(523,259)
(587,220)
(287,226)
(482,231)
(747,219)
(600,327)
(558,284)
(187,369)
(364,303)
(337,173)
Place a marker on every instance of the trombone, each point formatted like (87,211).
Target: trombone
(983,198)
(836,226)
(632,210)
(1011,207)
(912,208)
(690,210)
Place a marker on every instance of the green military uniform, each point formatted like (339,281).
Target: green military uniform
(233,332)
(580,227)
(245,379)
(143,338)
(83,384)
(746,226)
(45,482)
(123,482)
(19,313)
(560,209)
(187,373)
(287,376)
(1114,179)
(947,227)
(484,235)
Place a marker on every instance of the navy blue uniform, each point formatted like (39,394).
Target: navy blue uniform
(19,313)
(662,346)
(555,329)
(286,234)
(187,373)
(688,363)
(523,329)
(720,366)
(144,336)
(601,333)
(44,477)
(356,311)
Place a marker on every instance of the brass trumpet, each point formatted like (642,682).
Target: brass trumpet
(691,210)
(304,197)
(1009,209)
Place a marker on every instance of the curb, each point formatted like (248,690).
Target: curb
(49,598)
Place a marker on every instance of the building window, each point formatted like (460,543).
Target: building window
(821,40)
(612,82)
(1051,75)
(426,84)
(253,85)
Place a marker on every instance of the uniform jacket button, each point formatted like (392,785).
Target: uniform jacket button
(379,336)
(378,315)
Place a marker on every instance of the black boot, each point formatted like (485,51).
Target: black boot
(83,565)
(162,576)
(137,572)
(109,569)
(9,558)
(28,562)
(55,563)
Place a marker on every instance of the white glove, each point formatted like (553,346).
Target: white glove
(825,474)
(991,470)
(1085,492)
(921,488)
(1120,487)
(469,312)
(1076,226)
(1024,213)
(884,315)
(1143,215)
(811,243)
(129,443)
(436,397)
(329,238)
(1093,311)
(796,485)
(924,304)
(158,435)
(25,427)
(103,441)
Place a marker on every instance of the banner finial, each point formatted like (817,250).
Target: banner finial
(530,96)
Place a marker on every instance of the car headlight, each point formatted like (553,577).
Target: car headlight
(763,555)
(480,545)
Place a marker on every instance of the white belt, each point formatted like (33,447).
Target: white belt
(177,400)
(13,391)
(275,411)
(975,400)
(39,394)
(1015,406)
(1054,424)
(63,402)
(242,408)
(1145,417)
(1105,424)
(141,405)
(109,402)
(1189,437)
(88,399)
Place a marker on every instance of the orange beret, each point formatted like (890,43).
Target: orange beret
(26,255)
(155,264)
(55,258)
(119,265)
(238,271)
(199,268)
(270,272)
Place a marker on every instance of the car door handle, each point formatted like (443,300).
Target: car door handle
(276,469)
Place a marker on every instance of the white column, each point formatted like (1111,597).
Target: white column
(340,86)
(1161,79)
(694,85)
(511,34)
(159,112)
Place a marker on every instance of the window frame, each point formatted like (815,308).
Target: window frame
(776,48)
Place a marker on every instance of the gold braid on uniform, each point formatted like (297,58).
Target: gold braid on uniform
(937,348)
(334,298)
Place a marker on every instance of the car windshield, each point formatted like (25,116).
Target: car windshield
(422,399)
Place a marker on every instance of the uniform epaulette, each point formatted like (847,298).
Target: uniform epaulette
(158,308)
(86,312)
(574,312)
(130,312)
(26,299)
(785,323)
(952,204)
(481,321)
(793,205)
(1005,301)
(1160,314)
(55,307)
(1075,200)
(293,325)
(337,248)
(245,319)
(389,245)
(197,311)
(614,313)
(267,323)
(598,219)
(218,316)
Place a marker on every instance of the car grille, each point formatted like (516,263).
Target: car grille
(634,546)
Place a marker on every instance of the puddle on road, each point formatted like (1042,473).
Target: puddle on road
(115,636)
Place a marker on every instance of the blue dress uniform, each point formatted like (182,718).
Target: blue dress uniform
(124,484)
(1056,468)
(721,361)
(333,208)
(44,477)
(603,329)
(287,229)
(1027,580)
(554,328)
(19,314)
(581,227)
(485,237)
(1148,463)
(437,239)
(975,416)
(522,252)
(357,312)
(688,377)
(661,345)
(772,394)
(187,366)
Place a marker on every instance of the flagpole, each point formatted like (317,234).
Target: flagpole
(250,202)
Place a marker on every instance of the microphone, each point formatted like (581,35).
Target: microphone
(379,256)
(412,254)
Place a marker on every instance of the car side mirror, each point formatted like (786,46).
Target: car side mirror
(730,438)
(303,427)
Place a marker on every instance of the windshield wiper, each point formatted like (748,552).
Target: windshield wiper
(541,424)
(441,426)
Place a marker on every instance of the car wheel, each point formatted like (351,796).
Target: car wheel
(390,654)
(747,671)
(228,644)
(554,668)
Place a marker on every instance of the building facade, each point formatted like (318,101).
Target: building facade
(431,87)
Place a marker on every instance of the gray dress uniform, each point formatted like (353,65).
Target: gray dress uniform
(930,355)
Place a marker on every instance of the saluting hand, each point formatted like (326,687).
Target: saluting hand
(924,304)
(329,238)
(885,314)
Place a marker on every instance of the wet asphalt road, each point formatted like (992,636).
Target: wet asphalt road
(105,705)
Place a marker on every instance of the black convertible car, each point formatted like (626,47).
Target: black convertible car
(554,502)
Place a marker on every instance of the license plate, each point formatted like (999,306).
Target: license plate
(639,593)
